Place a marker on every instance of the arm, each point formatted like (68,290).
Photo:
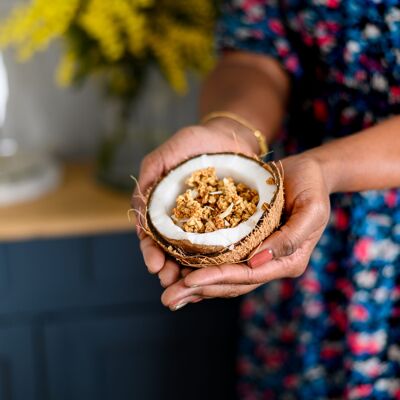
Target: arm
(252,86)
(260,95)
(363,161)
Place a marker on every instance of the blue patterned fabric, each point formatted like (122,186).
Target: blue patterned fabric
(333,333)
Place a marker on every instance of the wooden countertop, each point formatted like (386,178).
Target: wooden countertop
(79,206)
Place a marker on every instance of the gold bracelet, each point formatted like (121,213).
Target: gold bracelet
(262,143)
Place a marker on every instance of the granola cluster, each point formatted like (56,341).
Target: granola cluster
(210,204)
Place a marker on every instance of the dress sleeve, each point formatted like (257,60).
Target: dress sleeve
(257,26)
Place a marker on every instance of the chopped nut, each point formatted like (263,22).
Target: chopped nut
(271,181)
(212,199)
(219,223)
(210,227)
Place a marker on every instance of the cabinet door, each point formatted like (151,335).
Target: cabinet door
(54,275)
(117,268)
(154,356)
(43,275)
(17,370)
(100,332)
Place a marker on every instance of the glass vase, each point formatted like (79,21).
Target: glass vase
(134,129)
(25,175)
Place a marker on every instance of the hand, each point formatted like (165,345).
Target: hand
(216,136)
(285,253)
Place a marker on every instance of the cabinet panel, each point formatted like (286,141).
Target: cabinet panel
(4,272)
(168,356)
(52,275)
(44,274)
(118,269)
(16,364)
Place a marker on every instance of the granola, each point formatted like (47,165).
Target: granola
(210,203)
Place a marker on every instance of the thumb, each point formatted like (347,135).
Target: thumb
(306,223)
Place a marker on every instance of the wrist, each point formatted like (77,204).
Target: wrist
(329,167)
(236,131)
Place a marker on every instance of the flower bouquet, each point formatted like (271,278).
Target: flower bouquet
(117,41)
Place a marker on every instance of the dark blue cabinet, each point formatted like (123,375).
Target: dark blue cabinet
(80,318)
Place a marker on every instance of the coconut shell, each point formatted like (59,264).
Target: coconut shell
(186,255)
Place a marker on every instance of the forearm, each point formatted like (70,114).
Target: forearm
(250,85)
(364,161)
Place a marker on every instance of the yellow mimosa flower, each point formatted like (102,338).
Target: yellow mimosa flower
(116,38)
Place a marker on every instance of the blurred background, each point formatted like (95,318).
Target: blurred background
(87,88)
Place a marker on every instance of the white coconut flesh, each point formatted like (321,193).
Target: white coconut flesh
(240,168)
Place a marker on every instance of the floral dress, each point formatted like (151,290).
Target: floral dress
(333,333)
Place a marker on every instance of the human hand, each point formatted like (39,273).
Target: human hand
(217,135)
(285,253)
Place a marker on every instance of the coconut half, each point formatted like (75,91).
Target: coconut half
(228,245)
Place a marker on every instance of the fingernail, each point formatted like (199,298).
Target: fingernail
(261,258)
(178,306)
(194,286)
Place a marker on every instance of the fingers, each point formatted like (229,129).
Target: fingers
(186,271)
(225,291)
(169,273)
(306,223)
(292,265)
(184,302)
(153,256)
(287,267)
(178,295)
(231,280)
(226,273)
